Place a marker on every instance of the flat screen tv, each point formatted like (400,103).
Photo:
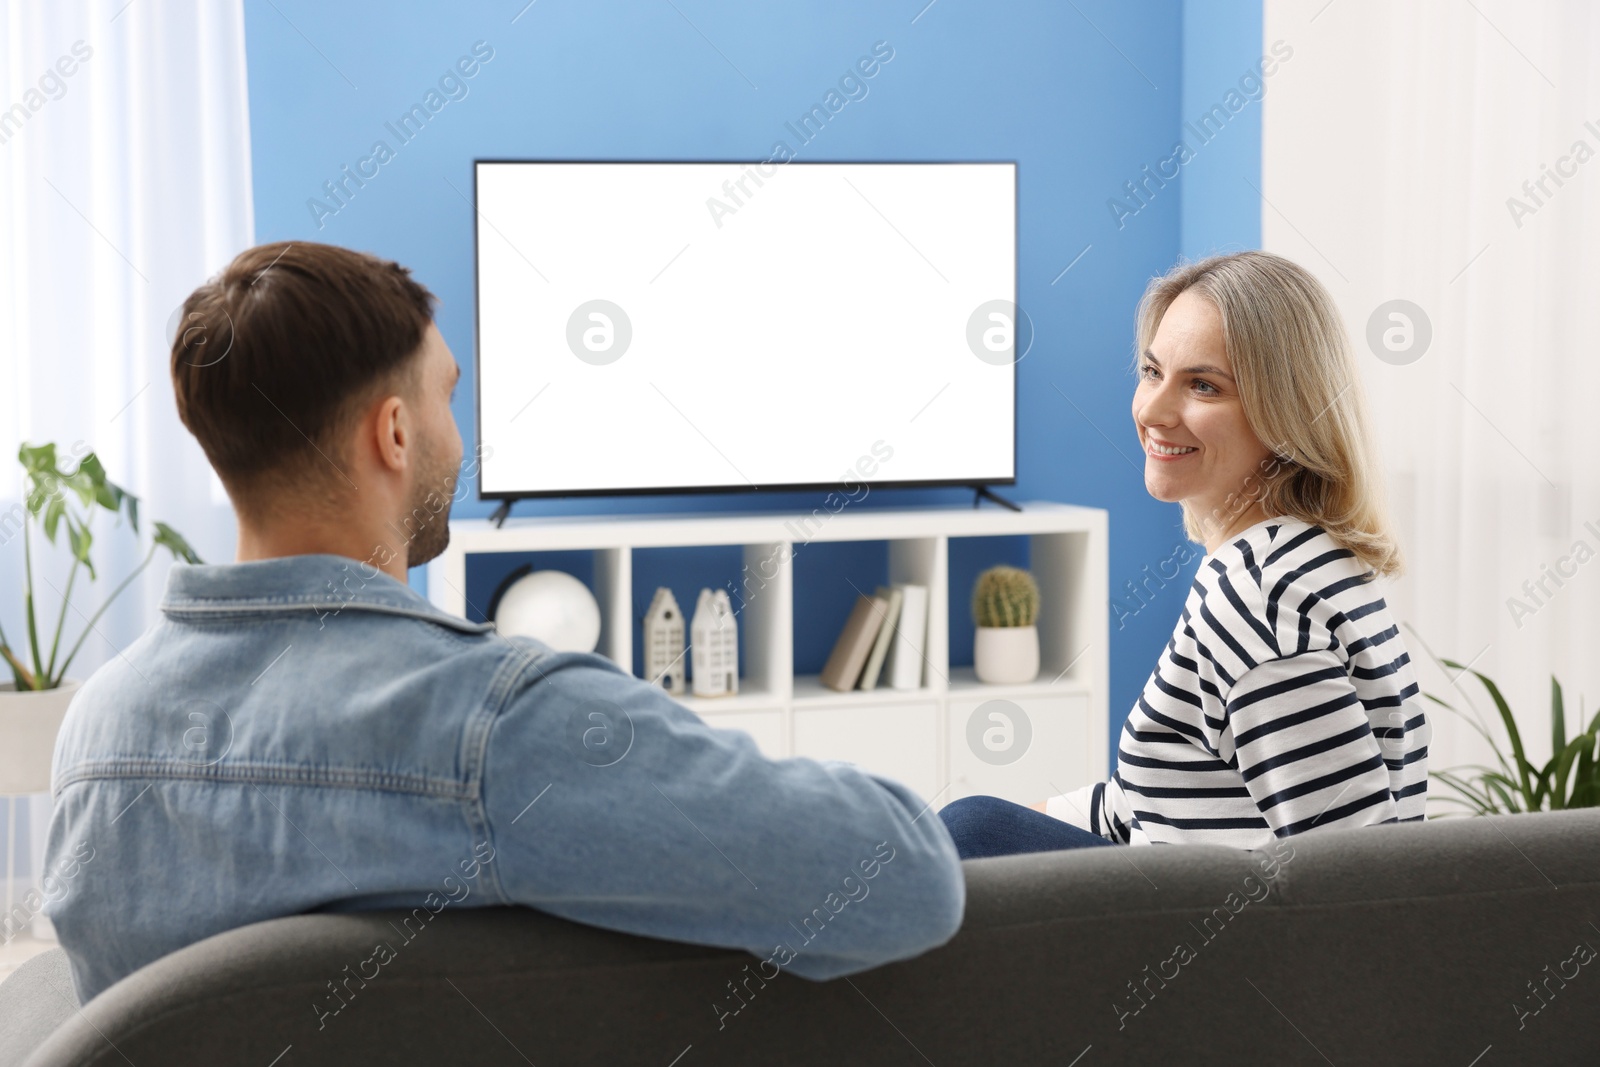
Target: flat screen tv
(657,327)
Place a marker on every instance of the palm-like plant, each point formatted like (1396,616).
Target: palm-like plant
(1571,779)
(47,502)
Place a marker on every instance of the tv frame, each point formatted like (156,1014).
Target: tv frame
(506,496)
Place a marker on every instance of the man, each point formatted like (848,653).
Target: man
(301,731)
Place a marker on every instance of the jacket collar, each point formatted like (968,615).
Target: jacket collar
(320,582)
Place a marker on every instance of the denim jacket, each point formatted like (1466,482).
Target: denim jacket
(298,735)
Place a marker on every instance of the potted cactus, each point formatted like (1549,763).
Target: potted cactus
(1005,646)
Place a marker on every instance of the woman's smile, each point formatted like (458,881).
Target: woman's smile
(1165,450)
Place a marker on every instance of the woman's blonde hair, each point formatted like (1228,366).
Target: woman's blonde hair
(1301,393)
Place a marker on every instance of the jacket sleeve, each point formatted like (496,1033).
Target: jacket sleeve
(609,803)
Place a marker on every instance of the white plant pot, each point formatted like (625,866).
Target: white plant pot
(1006,655)
(29,722)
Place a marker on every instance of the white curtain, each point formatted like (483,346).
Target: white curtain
(124,183)
(1396,146)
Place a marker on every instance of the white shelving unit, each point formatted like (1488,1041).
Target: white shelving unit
(920,736)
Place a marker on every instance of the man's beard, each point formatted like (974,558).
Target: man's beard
(432,532)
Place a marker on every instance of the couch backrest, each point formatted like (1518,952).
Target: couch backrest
(1387,944)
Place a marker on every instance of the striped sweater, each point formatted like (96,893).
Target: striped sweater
(1284,702)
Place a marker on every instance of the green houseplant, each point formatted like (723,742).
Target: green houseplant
(1571,778)
(1005,608)
(34,703)
(49,502)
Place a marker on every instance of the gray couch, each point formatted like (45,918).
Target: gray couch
(1398,944)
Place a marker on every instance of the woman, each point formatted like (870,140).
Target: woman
(1285,700)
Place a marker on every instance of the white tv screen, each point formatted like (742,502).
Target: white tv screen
(659,327)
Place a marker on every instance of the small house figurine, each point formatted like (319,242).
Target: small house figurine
(663,643)
(715,645)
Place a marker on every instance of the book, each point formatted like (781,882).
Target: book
(854,645)
(880,647)
(904,666)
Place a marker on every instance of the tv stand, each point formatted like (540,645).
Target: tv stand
(980,492)
(936,738)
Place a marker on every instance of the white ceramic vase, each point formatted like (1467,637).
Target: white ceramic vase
(553,607)
(1006,655)
(29,722)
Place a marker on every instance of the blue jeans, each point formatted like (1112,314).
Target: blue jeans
(988,826)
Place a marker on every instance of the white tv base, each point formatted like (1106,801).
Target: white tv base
(920,736)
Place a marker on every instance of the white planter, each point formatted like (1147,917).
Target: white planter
(1006,655)
(29,722)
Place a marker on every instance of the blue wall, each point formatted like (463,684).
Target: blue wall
(1220,185)
(1081,96)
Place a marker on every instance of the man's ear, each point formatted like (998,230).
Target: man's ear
(391,431)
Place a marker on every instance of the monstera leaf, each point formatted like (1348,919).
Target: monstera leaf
(48,499)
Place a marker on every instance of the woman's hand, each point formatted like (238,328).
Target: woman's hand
(1039,806)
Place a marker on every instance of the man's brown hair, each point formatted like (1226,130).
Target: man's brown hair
(276,354)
